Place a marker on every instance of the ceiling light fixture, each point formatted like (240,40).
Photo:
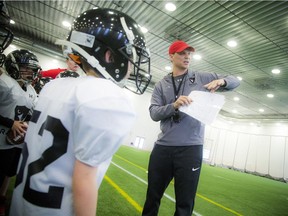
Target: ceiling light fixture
(236,98)
(66,24)
(168,68)
(143,29)
(270,95)
(275,71)
(232,43)
(12,22)
(197,57)
(261,110)
(12,46)
(170,6)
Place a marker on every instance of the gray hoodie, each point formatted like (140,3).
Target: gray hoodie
(188,131)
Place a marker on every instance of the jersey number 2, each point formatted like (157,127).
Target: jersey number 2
(53,198)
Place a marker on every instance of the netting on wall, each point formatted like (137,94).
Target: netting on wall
(264,155)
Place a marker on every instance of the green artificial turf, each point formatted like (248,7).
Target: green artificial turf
(220,192)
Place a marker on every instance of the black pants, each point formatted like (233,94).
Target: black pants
(184,164)
(9,159)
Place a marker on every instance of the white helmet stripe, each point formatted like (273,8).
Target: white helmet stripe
(130,36)
(128,32)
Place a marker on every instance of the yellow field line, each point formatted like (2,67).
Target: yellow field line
(219,205)
(124,194)
(130,162)
(199,195)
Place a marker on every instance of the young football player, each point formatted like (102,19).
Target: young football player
(78,124)
(17,100)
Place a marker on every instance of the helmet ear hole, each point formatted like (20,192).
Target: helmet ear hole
(109,56)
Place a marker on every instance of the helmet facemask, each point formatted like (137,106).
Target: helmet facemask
(6,35)
(140,70)
(27,73)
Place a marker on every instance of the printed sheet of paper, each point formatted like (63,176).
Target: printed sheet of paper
(205,106)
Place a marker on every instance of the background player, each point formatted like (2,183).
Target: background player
(17,100)
(71,66)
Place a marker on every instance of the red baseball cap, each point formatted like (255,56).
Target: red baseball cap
(179,46)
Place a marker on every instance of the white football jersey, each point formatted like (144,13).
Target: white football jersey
(15,103)
(85,118)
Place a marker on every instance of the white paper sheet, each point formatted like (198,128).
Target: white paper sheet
(205,106)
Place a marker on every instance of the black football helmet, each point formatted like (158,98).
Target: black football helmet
(18,61)
(6,35)
(97,30)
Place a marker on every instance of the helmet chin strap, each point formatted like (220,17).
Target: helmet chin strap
(90,59)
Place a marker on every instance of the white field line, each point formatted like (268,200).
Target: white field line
(143,181)
(217,176)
